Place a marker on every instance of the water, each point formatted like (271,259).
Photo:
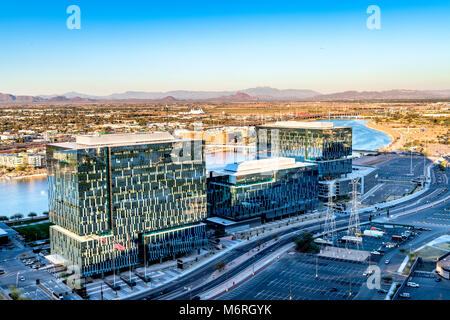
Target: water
(25,196)
(363,138)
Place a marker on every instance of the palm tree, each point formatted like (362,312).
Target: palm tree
(32,215)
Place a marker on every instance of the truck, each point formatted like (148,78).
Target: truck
(351,239)
(397,238)
(373,233)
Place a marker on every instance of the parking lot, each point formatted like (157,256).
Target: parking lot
(389,191)
(294,276)
(428,288)
(399,168)
(383,244)
(395,178)
(22,268)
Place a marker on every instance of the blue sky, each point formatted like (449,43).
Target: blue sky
(222,45)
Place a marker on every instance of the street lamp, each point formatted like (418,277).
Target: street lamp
(317,266)
(253,272)
(17,279)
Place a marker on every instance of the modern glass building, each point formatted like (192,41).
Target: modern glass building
(328,146)
(266,188)
(113,196)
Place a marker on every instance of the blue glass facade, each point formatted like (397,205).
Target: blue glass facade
(328,146)
(266,193)
(105,198)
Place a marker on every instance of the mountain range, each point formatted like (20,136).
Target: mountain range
(251,94)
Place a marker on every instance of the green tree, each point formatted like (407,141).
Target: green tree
(18,216)
(220,266)
(305,243)
(32,214)
(4,218)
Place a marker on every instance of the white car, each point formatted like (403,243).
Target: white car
(412,285)
(387,261)
(22,278)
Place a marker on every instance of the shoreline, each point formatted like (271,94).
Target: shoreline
(386,130)
(32,176)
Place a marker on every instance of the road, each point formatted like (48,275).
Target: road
(439,190)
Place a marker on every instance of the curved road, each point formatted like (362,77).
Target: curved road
(439,190)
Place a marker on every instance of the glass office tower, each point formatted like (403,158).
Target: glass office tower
(322,143)
(113,196)
(266,188)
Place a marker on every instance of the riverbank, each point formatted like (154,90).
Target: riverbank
(15,176)
(395,136)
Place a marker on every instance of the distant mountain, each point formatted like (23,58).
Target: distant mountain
(9,98)
(277,94)
(264,93)
(251,94)
(384,95)
(239,96)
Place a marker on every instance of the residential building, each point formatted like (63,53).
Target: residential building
(36,160)
(11,160)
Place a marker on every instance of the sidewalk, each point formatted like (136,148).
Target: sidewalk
(160,277)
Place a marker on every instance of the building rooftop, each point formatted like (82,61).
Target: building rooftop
(123,138)
(120,139)
(444,261)
(6,231)
(302,125)
(221,221)
(262,165)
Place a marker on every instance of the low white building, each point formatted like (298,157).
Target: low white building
(11,160)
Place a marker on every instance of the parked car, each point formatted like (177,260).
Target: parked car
(412,285)
(437,279)
(405,295)
(387,261)
(22,278)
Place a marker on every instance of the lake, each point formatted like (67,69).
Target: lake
(30,195)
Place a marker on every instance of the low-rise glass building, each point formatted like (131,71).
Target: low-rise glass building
(265,188)
(113,196)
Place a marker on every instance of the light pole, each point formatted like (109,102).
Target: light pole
(17,279)
(317,267)
(290,288)
(411,165)
(253,265)
(145,263)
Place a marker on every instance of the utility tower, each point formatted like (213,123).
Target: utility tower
(353,223)
(330,222)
